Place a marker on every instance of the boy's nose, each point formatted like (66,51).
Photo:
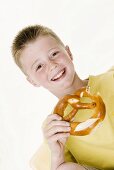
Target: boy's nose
(53,66)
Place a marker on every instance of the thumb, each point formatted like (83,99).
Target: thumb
(63,141)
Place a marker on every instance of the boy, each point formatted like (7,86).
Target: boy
(47,62)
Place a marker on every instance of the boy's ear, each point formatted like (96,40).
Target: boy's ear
(32,82)
(68,51)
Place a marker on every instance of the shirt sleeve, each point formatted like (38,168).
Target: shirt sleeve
(111,69)
(41,159)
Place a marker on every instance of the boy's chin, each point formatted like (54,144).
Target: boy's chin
(63,84)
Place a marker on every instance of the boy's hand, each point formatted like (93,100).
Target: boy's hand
(56,133)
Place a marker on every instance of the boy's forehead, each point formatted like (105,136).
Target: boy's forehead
(35,49)
(41,44)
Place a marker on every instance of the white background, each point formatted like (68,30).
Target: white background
(87,26)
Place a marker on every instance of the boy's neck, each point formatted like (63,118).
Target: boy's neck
(77,84)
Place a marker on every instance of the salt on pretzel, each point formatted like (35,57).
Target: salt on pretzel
(74,100)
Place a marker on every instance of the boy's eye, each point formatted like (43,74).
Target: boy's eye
(38,67)
(55,53)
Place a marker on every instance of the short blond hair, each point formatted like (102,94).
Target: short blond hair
(27,35)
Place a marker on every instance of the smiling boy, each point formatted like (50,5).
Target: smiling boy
(47,62)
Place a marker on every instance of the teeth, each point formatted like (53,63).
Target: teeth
(58,75)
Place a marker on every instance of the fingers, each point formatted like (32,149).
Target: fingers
(58,123)
(52,117)
(57,129)
(63,140)
(58,136)
(54,128)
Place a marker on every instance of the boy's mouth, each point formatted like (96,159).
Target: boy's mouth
(59,75)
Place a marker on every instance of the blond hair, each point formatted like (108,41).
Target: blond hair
(27,35)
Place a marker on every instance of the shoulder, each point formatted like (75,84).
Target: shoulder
(111,69)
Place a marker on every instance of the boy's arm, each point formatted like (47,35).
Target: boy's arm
(58,163)
(71,166)
(61,164)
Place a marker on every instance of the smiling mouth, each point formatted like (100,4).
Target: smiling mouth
(59,75)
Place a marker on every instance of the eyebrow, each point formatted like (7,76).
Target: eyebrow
(52,49)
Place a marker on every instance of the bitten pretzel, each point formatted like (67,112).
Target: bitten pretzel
(74,100)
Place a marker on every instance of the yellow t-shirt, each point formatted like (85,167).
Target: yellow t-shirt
(97,148)
(42,158)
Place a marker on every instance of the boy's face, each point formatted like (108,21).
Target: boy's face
(48,64)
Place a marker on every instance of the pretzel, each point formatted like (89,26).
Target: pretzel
(74,100)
